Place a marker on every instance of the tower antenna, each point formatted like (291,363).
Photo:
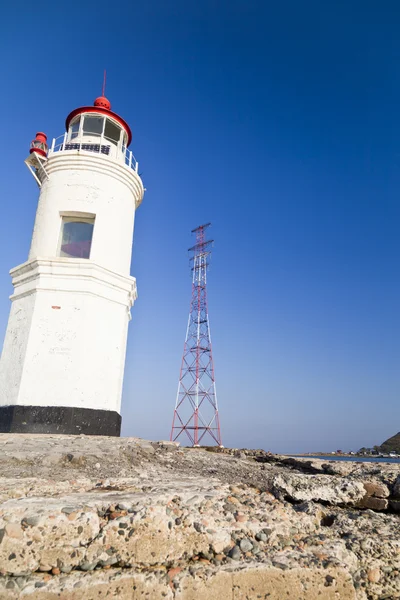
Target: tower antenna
(196,408)
(104,83)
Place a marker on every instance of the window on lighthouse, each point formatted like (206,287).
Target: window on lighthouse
(74,129)
(112,132)
(93,125)
(76,237)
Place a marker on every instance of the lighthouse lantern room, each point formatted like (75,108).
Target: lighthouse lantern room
(62,365)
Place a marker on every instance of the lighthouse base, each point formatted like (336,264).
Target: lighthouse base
(60,420)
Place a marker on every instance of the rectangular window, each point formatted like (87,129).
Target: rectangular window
(93,125)
(74,129)
(76,237)
(112,132)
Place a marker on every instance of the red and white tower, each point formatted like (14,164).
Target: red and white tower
(62,365)
(196,407)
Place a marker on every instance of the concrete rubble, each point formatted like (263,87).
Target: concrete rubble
(96,517)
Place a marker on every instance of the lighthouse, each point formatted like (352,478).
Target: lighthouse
(63,359)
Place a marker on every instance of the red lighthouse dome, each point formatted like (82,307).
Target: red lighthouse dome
(39,144)
(101,106)
(102,102)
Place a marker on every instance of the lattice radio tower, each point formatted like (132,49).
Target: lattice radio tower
(196,408)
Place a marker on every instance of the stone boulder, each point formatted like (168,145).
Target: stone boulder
(317,488)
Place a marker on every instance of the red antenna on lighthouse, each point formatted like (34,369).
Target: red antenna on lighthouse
(196,408)
(103,93)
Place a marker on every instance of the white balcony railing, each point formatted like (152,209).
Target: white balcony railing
(95,143)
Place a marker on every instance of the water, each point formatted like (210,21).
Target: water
(375,459)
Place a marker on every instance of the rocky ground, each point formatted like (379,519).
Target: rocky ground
(88,518)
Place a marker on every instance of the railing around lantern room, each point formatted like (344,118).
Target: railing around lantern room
(93,143)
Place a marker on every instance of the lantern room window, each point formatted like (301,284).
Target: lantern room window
(93,125)
(76,237)
(90,125)
(74,129)
(112,132)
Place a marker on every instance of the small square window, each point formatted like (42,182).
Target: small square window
(76,237)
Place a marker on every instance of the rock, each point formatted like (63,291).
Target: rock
(13,530)
(256,549)
(377,490)
(115,584)
(296,583)
(394,505)
(240,518)
(373,503)
(219,540)
(78,536)
(76,460)
(169,445)
(86,566)
(396,488)
(31,521)
(68,510)
(235,553)
(374,575)
(172,573)
(325,488)
(246,545)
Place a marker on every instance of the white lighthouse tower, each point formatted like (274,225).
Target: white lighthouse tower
(62,365)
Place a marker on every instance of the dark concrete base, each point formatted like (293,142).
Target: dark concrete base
(59,419)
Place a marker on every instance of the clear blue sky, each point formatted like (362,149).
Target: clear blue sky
(279,122)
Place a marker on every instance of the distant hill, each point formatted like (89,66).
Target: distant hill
(391,445)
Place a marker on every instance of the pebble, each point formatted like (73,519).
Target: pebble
(31,521)
(67,510)
(233,500)
(13,530)
(256,549)
(374,575)
(86,566)
(240,518)
(246,545)
(116,515)
(235,553)
(174,572)
(66,569)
